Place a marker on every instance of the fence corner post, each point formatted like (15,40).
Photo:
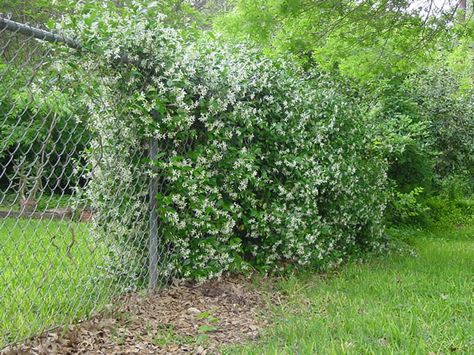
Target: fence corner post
(153,222)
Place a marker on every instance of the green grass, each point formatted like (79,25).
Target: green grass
(397,304)
(41,283)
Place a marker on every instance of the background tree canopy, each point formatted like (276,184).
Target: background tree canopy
(360,39)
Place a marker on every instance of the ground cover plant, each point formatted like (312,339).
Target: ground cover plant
(39,268)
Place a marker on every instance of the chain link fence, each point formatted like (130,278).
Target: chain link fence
(63,256)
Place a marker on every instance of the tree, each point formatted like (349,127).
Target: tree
(360,39)
(462,9)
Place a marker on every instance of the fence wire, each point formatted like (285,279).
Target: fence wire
(61,256)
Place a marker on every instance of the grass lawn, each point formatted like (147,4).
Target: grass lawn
(396,304)
(41,283)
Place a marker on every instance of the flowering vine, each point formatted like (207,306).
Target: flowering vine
(259,163)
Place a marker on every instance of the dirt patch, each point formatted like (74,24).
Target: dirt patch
(185,318)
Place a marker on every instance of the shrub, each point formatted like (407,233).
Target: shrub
(36,156)
(448,109)
(448,212)
(456,186)
(408,207)
(427,118)
(259,164)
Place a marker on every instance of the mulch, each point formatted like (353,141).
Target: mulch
(185,318)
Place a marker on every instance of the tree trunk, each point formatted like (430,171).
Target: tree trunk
(463,8)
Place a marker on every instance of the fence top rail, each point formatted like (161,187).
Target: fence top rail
(27,30)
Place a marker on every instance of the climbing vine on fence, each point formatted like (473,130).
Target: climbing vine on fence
(259,164)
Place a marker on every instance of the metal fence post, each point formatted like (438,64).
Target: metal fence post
(153,224)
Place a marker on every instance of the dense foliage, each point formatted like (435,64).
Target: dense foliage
(364,40)
(259,162)
(36,155)
(282,133)
(411,64)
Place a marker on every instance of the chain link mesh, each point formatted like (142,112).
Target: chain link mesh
(62,256)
